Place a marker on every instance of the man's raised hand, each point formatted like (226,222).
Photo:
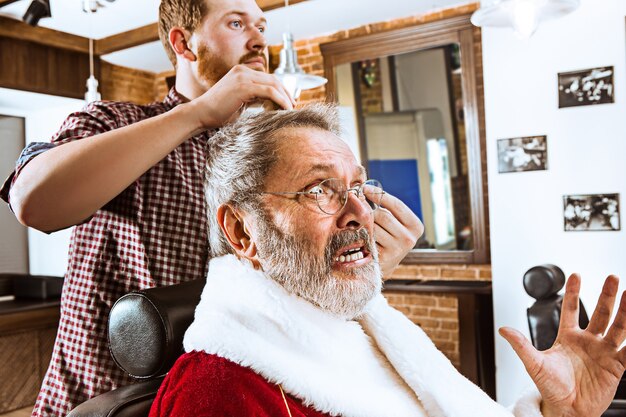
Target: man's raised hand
(579,374)
(239,86)
(396,230)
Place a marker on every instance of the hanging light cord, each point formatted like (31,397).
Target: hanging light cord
(90,56)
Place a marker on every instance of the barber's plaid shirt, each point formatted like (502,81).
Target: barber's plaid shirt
(154,233)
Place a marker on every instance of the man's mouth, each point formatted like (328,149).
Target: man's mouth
(352,254)
(256,61)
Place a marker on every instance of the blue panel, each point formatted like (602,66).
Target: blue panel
(399,177)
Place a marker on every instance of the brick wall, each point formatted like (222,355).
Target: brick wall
(436,314)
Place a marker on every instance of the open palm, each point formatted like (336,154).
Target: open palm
(579,374)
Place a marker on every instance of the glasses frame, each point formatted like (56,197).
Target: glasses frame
(357,190)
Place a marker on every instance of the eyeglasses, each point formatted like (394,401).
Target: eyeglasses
(331,194)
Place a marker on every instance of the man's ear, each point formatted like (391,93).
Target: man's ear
(234,227)
(179,39)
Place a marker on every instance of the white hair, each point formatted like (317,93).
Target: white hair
(241,154)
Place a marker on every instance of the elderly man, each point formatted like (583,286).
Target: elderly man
(292,321)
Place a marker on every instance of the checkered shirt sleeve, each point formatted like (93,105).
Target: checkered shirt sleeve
(154,233)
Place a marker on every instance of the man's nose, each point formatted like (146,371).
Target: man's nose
(355,214)
(257,41)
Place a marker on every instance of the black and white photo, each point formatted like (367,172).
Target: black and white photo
(591,212)
(582,88)
(522,154)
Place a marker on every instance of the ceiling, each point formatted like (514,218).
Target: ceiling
(306,19)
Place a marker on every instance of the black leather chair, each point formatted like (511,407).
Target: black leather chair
(543,283)
(145,331)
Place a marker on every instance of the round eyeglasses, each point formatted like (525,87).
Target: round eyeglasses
(331,195)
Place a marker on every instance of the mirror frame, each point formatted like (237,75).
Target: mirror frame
(419,37)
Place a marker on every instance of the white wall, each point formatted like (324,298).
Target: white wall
(44,115)
(13,236)
(586,154)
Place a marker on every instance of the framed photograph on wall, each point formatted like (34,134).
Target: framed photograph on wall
(586,87)
(523,154)
(591,212)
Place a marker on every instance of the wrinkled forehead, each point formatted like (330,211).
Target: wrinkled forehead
(309,153)
(246,8)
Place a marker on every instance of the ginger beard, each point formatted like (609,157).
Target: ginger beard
(290,260)
(212,67)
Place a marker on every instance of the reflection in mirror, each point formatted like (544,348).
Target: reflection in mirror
(407,111)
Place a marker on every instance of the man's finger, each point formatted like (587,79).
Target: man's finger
(617,332)
(569,309)
(382,237)
(402,213)
(531,357)
(259,84)
(602,314)
(399,234)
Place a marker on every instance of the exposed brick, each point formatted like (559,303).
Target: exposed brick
(430,272)
(360,31)
(444,313)
(426,323)
(449,301)
(445,346)
(484,275)
(406,272)
(459,273)
(394,298)
(418,311)
(450,325)
(421,300)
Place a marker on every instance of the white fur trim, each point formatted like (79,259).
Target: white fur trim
(529,404)
(334,365)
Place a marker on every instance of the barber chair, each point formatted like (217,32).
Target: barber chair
(543,283)
(145,332)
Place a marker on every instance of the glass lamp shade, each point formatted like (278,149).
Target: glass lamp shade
(92,93)
(522,15)
(291,74)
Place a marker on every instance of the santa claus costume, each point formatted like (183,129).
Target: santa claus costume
(256,350)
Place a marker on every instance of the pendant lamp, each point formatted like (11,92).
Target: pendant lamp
(522,15)
(92,93)
(289,71)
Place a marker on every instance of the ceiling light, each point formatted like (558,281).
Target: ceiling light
(37,10)
(289,71)
(92,93)
(291,74)
(522,15)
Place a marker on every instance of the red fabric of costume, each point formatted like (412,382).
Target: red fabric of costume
(205,385)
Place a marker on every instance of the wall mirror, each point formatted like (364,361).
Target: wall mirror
(409,98)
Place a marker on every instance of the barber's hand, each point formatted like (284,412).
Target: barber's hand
(396,230)
(579,374)
(239,86)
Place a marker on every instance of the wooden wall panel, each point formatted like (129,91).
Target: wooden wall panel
(126,84)
(19,373)
(43,69)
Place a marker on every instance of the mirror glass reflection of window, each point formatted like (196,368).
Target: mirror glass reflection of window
(407,111)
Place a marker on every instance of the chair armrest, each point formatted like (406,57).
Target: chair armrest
(131,400)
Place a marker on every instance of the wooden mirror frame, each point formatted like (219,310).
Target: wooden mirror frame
(410,39)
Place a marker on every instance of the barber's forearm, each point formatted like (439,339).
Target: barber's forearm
(67,184)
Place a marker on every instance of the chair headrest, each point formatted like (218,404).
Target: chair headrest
(544,281)
(146,328)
